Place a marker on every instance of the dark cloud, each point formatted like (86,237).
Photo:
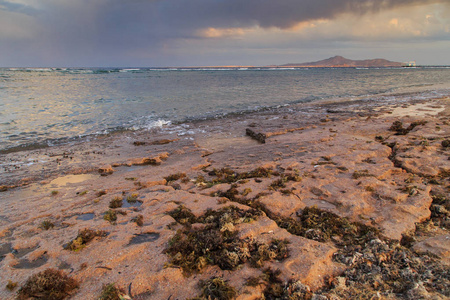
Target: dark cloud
(109,30)
(149,22)
(189,14)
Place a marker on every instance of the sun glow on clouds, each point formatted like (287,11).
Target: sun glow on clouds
(222,32)
(405,23)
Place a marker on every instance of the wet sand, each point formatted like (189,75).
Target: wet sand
(386,187)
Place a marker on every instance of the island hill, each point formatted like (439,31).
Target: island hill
(342,62)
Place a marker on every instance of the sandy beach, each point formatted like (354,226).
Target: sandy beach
(333,200)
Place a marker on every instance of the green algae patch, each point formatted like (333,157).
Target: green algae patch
(50,284)
(132,198)
(83,238)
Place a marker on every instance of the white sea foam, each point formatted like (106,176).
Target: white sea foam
(129,70)
(152,124)
(39,69)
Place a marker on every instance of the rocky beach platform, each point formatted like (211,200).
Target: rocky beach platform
(347,200)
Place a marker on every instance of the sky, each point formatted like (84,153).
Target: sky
(164,33)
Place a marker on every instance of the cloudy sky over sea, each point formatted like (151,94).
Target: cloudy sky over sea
(76,33)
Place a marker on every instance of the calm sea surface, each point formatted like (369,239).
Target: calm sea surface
(51,106)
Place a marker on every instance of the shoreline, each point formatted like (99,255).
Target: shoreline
(344,160)
(386,97)
(11,162)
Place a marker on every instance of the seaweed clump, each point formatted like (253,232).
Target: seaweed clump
(226,175)
(216,242)
(387,269)
(312,223)
(111,292)
(50,284)
(83,238)
(276,250)
(110,216)
(46,225)
(183,215)
(116,202)
(276,289)
(225,218)
(132,198)
(216,288)
(319,225)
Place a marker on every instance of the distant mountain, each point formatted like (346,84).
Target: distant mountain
(339,61)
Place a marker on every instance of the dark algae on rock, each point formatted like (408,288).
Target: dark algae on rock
(376,267)
(50,284)
(216,242)
(111,292)
(216,288)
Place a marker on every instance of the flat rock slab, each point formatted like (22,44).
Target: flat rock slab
(438,245)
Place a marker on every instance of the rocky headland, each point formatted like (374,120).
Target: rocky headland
(342,62)
(327,201)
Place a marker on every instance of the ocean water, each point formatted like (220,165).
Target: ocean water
(44,107)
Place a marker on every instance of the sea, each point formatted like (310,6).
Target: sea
(42,107)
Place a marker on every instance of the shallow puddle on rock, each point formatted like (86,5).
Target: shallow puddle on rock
(63,265)
(135,203)
(86,217)
(27,264)
(144,238)
(19,253)
(4,249)
(4,219)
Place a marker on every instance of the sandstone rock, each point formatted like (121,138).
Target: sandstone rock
(438,245)
(106,170)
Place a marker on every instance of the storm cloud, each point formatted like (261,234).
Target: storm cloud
(70,30)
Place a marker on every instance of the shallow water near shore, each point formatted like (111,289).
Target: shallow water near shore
(46,107)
